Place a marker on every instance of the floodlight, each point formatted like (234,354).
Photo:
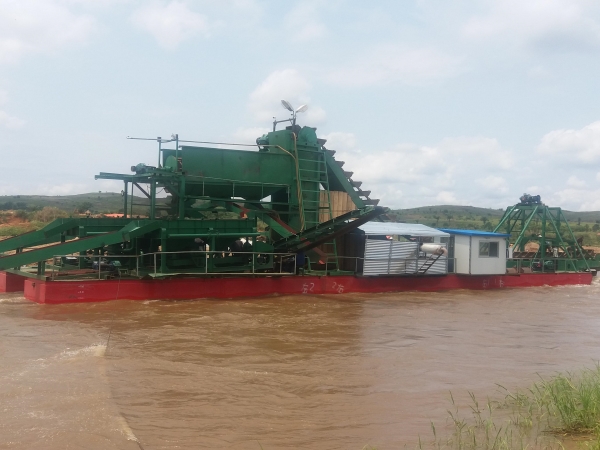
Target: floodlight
(287,105)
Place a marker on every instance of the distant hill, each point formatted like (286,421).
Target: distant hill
(428,213)
(96,202)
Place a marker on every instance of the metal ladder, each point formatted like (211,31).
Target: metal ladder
(428,264)
(312,175)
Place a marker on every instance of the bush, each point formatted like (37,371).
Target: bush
(5,217)
(83,207)
(48,214)
(12,205)
(21,214)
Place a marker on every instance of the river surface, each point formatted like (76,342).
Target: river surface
(296,372)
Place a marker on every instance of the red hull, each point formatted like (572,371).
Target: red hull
(9,282)
(236,287)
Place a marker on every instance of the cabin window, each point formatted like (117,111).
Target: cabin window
(488,249)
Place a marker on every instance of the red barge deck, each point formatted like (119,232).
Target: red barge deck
(56,292)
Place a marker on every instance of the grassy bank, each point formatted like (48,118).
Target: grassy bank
(559,412)
(18,222)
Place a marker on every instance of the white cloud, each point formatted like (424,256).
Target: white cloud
(63,189)
(533,188)
(442,173)
(46,187)
(338,140)
(447,198)
(102,185)
(485,153)
(246,17)
(287,84)
(582,146)
(577,195)
(39,26)
(538,73)
(9,121)
(574,199)
(575,182)
(547,24)
(314,116)
(171,23)
(493,184)
(95,4)
(396,63)
(6,120)
(302,23)
(249,135)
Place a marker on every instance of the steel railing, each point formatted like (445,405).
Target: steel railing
(225,254)
(530,263)
(286,263)
(334,263)
(93,259)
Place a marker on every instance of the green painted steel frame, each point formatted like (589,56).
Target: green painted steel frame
(94,234)
(291,167)
(523,215)
(316,235)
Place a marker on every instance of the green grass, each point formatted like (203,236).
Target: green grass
(572,402)
(556,411)
(21,228)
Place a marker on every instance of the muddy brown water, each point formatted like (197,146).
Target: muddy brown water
(296,372)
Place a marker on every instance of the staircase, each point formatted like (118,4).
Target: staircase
(429,262)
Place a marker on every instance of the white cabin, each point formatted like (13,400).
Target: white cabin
(475,252)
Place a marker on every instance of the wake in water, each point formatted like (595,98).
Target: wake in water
(13,298)
(126,429)
(98,350)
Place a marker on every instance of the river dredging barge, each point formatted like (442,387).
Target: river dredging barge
(283,218)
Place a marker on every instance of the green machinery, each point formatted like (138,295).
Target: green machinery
(276,196)
(558,250)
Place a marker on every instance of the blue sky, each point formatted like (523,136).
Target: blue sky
(428,101)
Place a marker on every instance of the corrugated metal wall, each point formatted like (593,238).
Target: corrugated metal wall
(387,257)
